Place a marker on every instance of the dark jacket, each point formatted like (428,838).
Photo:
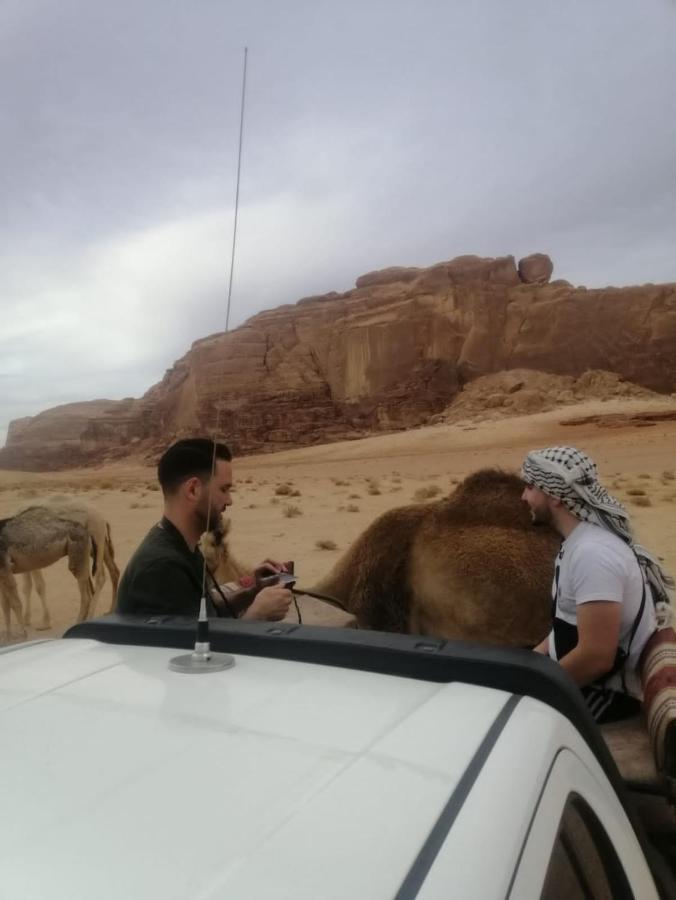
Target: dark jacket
(164,576)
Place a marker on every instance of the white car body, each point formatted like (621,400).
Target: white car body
(278,778)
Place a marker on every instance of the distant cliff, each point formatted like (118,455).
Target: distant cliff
(388,354)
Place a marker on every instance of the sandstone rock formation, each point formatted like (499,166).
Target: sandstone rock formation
(535,269)
(389,354)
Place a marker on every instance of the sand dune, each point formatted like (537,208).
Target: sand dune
(343,486)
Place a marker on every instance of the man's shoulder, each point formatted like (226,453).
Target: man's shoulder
(597,545)
(156,546)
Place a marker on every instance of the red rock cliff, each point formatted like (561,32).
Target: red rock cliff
(386,355)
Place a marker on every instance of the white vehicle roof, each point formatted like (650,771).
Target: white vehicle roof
(121,778)
(326,763)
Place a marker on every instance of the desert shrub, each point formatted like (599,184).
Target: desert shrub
(426,493)
(326,545)
(352,507)
(283,490)
(668,475)
(354,496)
(641,501)
(291,511)
(373,487)
(636,492)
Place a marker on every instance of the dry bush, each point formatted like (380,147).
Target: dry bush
(340,483)
(352,507)
(354,496)
(136,505)
(295,493)
(326,545)
(248,480)
(252,506)
(645,475)
(426,493)
(642,501)
(669,498)
(635,492)
(153,486)
(668,475)
(283,490)
(373,487)
(291,511)
(395,489)
(274,501)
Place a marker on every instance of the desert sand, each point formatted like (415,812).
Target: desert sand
(343,486)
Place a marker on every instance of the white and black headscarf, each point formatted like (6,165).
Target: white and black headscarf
(572,477)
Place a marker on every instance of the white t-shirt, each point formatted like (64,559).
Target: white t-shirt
(597,565)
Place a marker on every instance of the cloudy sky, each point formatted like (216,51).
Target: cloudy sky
(378,132)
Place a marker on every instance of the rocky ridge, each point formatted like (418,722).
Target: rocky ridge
(392,353)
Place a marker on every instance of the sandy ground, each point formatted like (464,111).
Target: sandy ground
(344,486)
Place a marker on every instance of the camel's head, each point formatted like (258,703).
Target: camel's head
(214,544)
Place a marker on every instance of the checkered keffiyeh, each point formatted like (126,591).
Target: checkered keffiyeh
(572,477)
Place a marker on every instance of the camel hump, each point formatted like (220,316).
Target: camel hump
(487,497)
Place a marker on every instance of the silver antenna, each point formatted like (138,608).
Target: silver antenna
(202,659)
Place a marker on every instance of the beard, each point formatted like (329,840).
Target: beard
(542,516)
(206,515)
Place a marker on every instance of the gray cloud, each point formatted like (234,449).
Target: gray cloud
(377,133)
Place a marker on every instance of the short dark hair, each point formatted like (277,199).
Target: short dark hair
(189,458)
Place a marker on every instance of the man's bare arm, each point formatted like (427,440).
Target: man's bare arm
(598,628)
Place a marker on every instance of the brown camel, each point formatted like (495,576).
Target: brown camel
(39,536)
(471,566)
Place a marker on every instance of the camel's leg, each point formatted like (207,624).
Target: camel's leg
(78,564)
(98,572)
(39,582)
(111,565)
(10,599)
(27,593)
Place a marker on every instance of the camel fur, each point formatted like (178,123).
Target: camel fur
(41,535)
(220,562)
(471,566)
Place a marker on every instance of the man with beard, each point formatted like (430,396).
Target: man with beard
(606,587)
(165,574)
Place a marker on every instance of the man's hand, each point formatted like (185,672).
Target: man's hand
(268,567)
(272,603)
